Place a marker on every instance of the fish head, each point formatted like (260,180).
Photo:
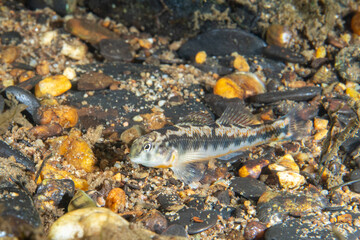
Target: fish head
(150,150)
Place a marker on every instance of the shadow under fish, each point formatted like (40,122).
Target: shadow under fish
(184,147)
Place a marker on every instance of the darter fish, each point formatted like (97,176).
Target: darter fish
(199,138)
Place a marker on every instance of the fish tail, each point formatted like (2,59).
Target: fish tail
(299,124)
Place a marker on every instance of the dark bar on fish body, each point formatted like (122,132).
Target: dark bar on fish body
(300,94)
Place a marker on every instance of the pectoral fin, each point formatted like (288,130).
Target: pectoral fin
(197,118)
(190,172)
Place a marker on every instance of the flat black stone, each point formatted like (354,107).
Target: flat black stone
(304,228)
(175,230)
(11,38)
(223,197)
(196,202)
(167,200)
(206,219)
(355,175)
(248,187)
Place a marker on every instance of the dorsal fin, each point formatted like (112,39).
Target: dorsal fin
(236,113)
(197,118)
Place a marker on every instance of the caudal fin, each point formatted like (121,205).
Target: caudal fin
(300,126)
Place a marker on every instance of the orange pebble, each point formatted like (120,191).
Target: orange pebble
(49,171)
(54,86)
(200,57)
(116,200)
(65,116)
(239,85)
(241,64)
(77,152)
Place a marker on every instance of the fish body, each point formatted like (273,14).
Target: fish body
(181,147)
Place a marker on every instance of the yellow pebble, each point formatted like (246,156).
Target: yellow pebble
(241,64)
(320,134)
(320,52)
(200,57)
(320,124)
(54,86)
(353,93)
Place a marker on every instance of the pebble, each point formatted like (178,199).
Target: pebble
(80,200)
(290,180)
(17,210)
(11,38)
(274,207)
(154,221)
(88,31)
(239,85)
(168,201)
(221,42)
(47,37)
(7,151)
(116,50)
(283,54)
(254,230)
(355,175)
(347,64)
(248,187)
(24,97)
(195,220)
(223,196)
(63,115)
(9,54)
(54,192)
(94,81)
(138,118)
(252,168)
(76,151)
(54,86)
(46,131)
(130,134)
(85,223)
(75,50)
(70,73)
(310,227)
(175,230)
(300,94)
(116,200)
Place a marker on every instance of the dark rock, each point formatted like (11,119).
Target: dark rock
(11,38)
(248,187)
(94,81)
(154,221)
(175,230)
(24,97)
(17,208)
(2,104)
(273,207)
(226,212)
(167,18)
(223,197)
(7,151)
(62,7)
(167,201)
(283,54)
(300,94)
(310,228)
(56,192)
(196,221)
(196,202)
(355,175)
(254,230)
(116,50)
(221,42)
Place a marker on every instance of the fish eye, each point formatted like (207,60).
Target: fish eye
(147,147)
